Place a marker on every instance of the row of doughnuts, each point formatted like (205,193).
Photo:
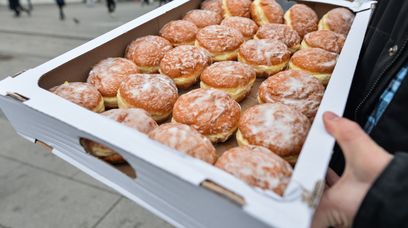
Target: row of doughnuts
(277,126)
(232,39)
(300,17)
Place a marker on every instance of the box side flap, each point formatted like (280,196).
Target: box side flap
(317,150)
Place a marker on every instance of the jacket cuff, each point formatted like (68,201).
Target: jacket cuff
(385,202)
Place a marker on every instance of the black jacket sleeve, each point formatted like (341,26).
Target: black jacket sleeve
(386,203)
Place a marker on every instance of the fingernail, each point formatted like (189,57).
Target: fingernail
(331,116)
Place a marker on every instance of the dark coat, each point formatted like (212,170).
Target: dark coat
(13,4)
(376,68)
(383,54)
(60,2)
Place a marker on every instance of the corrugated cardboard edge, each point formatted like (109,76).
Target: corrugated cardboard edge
(44,145)
(239,200)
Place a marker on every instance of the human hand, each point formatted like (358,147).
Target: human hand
(365,160)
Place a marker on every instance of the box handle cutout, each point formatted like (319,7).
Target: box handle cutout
(17,96)
(237,199)
(116,161)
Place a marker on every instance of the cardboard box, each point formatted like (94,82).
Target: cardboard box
(180,189)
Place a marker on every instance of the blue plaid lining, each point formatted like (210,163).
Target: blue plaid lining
(385,100)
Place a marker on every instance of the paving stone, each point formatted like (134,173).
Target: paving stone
(37,189)
(128,214)
(85,178)
(34,198)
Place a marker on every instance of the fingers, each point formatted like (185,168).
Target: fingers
(327,214)
(331,177)
(320,218)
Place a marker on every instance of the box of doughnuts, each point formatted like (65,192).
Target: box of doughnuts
(207,113)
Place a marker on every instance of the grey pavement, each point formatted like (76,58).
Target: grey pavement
(37,189)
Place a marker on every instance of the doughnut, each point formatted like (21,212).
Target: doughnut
(275,126)
(185,139)
(134,118)
(246,26)
(203,18)
(266,56)
(146,52)
(220,41)
(184,64)
(293,88)
(213,5)
(154,93)
(324,39)
(107,75)
(302,19)
(266,11)
(282,33)
(239,8)
(82,94)
(211,112)
(234,78)
(338,20)
(179,32)
(314,61)
(257,166)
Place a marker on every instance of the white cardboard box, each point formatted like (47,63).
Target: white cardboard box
(182,190)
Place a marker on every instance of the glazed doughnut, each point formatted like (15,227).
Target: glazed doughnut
(234,78)
(213,5)
(293,88)
(282,33)
(316,62)
(266,56)
(134,118)
(220,41)
(302,19)
(107,75)
(338,20)
(146,52)
(266,11)
(324,39)
(275,126)
(185,139)
(154,93)
(203,18)
(246,26)
(82,94)
(179,32)
(239,8)
(211,112)
(257,166)
(184,64)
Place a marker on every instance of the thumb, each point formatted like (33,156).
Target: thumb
(348,134)
(356,145)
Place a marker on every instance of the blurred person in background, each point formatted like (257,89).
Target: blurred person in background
(162,2)
(368,183)
(145,2)
(61,4)
(17,8)
(111,5)
(30,5)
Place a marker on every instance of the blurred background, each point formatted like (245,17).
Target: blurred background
(37,189)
